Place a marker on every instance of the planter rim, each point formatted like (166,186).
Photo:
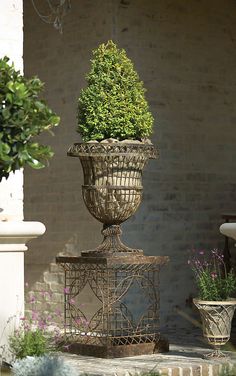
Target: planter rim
(215,302)
(228,229)
(79,149)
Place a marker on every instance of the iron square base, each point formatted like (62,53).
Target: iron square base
(119,351)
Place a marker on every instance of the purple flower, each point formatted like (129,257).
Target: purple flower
(26,327)
(32,299)
(66,290)
(58,312)
(201,252)
(35,315)
(42,325)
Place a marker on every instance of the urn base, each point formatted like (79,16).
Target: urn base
(112,244)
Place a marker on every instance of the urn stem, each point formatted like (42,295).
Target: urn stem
(112,243)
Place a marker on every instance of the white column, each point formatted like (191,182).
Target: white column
(13,239)
(11,45)
(14,233)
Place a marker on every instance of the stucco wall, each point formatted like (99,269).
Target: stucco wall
(185,53)
(11,45)
(11,190)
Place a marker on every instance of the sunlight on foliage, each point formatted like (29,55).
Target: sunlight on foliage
(113,105)
(23,115)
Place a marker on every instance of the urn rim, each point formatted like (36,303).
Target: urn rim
(230,301)
(80,149)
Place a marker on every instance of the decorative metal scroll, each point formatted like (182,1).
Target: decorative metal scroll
(127,300)
(216,321)
(125,148)
(112,189)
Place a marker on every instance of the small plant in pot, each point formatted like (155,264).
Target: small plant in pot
(215,302)
(114,122)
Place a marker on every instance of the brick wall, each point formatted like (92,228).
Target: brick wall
(11,45)
(185,53)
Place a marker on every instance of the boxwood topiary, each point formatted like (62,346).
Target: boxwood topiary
(23,115)
(113,105)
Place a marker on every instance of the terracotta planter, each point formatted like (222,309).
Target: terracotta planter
(112,189)
(216,319)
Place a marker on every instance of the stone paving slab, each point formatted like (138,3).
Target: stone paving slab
(179,361)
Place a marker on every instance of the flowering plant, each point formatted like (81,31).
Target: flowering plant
(213,281)
(38,333)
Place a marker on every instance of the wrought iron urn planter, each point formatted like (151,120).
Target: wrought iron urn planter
(123,283)
(112,189)
(216,319)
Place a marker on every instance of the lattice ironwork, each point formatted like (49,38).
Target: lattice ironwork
(216,319)
(122,283)
(112,189)
(127,302)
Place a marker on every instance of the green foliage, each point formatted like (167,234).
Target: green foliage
(29,343)
(212,279)
(113,105)
(39,332)
(217,288)
(23,115)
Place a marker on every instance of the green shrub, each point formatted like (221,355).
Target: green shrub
(213,281)
(38,332)
(23,115)
(113,105)
(29,343)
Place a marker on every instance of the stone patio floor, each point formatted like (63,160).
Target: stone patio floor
(185,358)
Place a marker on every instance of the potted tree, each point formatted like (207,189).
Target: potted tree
(114,122)
(23,115)
(215,302)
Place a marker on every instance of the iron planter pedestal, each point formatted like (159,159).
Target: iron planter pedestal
(125,291)
(121,315)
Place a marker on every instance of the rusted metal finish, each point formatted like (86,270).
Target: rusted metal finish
(122,313)
(112,244)
(125,320)
(112,189)
(125,148)
(161,345)
(114,260)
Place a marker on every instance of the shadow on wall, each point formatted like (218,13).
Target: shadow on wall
(56,200)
